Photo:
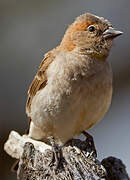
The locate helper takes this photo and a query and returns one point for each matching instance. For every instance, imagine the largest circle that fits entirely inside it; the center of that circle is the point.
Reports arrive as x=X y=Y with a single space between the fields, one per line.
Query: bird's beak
x=111 y=33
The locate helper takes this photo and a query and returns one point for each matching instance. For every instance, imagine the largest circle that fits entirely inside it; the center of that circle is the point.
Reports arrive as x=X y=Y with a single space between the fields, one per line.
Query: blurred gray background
x=28 y=29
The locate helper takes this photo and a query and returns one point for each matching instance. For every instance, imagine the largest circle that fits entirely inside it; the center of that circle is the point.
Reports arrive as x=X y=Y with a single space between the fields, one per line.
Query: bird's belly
x=87 y=108
x=68 y=115
x=93 y=106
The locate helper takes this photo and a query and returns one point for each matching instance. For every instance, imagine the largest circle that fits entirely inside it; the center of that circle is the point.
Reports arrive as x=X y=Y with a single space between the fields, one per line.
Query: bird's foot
x=90 y=142
x=57 y=155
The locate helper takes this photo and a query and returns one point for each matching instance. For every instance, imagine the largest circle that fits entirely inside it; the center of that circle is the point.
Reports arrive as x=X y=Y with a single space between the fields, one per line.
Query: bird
x=72 y=89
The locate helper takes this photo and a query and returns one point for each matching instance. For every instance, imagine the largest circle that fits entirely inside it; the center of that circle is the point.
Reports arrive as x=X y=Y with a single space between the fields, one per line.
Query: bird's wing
x=40 y=79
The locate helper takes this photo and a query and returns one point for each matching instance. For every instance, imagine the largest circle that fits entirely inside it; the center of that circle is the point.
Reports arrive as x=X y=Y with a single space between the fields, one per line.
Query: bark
x=36 y=161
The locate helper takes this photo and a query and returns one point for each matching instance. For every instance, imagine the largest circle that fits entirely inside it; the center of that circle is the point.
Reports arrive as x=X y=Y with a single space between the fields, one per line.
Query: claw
x=57 y=155
x=90 y=141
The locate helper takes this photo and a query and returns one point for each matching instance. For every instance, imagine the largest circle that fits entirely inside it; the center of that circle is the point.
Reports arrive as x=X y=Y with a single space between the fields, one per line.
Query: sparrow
x=72 y=89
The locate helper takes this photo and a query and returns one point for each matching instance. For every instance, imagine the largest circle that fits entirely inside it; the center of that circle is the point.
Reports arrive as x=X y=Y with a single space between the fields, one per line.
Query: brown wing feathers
x=39 y=81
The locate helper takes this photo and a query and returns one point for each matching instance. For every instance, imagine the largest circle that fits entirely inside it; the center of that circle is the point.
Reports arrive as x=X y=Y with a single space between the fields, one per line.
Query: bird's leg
x=57 y=153
x=90 y=142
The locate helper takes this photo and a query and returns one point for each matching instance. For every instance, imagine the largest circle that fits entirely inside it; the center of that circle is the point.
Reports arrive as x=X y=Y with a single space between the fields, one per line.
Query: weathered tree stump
x=77 y=161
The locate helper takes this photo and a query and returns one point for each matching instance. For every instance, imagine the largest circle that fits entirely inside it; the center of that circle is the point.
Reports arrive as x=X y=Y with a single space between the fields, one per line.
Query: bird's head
x=91 y=35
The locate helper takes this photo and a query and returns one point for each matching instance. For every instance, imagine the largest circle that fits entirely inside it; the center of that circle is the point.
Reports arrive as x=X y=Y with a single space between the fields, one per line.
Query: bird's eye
x=91 y=28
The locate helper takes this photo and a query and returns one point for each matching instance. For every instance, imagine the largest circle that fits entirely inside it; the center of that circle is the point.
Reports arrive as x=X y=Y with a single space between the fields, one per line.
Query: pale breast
x=89 y=103
x=95 y=99
x=71 y=103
